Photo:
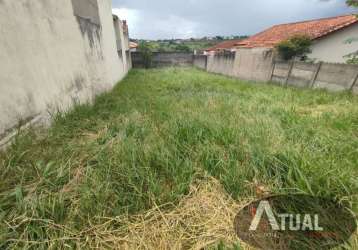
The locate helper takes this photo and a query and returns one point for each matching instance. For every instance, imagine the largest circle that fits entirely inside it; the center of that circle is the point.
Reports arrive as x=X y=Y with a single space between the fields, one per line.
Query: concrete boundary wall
x=246 y=64
x=333 y=77
x=164 y=59
x=260 y=65
x=200 y=61
x=221 y=63
x=253 y=64
x=54 y=54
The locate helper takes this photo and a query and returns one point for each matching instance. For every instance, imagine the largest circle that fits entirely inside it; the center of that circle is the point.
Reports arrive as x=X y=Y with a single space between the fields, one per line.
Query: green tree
x=297 y=46
x=352 y=58
x=353 y=3
x=147 y=53
x=183 y=48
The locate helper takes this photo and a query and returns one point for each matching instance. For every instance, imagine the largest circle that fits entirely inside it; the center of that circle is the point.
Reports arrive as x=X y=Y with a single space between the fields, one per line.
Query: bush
x=147 y=54
x=353 y=60
x=353 y=3
x=183 y=48
x=297 y=46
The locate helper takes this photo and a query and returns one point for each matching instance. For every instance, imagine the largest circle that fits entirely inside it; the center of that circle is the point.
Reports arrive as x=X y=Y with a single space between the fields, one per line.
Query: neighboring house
x=224 y=46
x=333 y=38
x=133 y=46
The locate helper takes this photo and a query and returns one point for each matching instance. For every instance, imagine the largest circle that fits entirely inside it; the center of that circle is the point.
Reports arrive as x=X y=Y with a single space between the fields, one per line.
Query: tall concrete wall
x=221 y=63
x=253 y=64
x=248 y=64
x=163 y=59
x=54 y=53
x=200 y=61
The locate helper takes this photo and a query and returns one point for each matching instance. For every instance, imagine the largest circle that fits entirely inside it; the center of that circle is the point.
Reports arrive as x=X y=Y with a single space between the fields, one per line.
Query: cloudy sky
x=158 y=19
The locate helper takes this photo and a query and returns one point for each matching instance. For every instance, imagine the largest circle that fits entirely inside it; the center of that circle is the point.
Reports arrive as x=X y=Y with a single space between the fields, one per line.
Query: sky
x=166 y=19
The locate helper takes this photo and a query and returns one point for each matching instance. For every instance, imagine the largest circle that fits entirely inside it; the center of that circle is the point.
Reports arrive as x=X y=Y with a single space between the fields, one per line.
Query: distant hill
x=186 y=45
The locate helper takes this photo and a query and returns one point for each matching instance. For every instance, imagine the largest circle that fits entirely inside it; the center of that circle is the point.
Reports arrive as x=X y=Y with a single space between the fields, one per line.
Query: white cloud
x=154 y=19
x=132 y=16
x=146 y=26
x=173 y=26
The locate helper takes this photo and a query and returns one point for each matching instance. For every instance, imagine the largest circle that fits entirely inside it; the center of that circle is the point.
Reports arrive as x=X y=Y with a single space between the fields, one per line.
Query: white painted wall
x=334 y=47
x=47 y=63
x=117 y=68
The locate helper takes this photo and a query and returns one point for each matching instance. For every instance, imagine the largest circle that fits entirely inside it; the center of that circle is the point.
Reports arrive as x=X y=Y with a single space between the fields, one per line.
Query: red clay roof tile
x=314 y=29
x=133 y=45
x=224 y=45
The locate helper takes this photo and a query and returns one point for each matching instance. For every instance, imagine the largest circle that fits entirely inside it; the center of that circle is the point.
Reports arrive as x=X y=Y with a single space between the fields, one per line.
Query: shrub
x=353 y=60
x=353 y=3
x=183 y=48
x=297 y=46
x=147 y=54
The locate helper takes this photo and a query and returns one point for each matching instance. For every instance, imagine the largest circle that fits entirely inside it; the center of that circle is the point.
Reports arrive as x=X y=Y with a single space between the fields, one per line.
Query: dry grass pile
x=203 y=219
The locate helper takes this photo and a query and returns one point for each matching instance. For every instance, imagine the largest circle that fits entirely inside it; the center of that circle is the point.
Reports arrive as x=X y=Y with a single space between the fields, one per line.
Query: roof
x=314 y=29
x=224 y=45
x=133 y=45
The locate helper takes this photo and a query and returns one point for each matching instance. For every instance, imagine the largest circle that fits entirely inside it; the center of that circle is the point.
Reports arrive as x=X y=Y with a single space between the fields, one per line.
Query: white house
x=334 y=39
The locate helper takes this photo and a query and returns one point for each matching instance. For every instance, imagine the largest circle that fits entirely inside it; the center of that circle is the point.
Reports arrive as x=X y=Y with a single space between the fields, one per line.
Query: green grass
x=158 y=130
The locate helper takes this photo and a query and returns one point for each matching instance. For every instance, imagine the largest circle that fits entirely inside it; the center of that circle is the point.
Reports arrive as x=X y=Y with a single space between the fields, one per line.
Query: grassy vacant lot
x=143 y=144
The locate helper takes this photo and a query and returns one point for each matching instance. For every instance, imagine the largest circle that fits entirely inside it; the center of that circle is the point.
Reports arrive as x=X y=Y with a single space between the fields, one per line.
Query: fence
x=200 y=61
x=254 y=64
x=221 y=63
x=334 y=77
x=247 y=64
x=258 y=64
x=164 y=59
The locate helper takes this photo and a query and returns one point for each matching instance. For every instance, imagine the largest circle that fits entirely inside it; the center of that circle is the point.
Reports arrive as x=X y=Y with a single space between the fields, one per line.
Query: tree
x=353 y=3
x=353 y=58
x=296 y=46
x=147 y=54
x=183 y=48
